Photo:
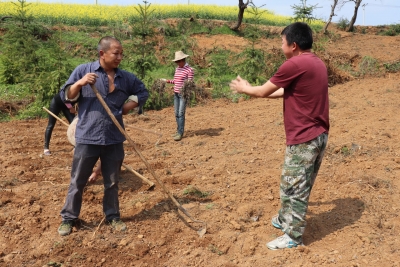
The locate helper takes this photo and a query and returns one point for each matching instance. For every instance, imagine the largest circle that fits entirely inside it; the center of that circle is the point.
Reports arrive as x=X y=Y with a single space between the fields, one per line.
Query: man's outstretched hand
x=237 y=85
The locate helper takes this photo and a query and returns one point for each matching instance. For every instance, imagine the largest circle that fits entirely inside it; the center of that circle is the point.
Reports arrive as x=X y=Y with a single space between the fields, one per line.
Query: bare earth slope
x=233 y=154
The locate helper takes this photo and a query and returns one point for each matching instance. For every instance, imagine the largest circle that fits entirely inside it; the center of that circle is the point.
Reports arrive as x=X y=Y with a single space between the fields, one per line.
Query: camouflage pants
x=300 y=169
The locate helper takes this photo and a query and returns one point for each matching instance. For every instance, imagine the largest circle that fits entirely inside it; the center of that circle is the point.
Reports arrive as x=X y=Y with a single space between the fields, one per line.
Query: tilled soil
x=225 y=172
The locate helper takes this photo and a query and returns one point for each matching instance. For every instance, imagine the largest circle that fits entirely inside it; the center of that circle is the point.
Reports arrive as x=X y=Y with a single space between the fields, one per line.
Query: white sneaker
x=282 y=242
x=276 y=222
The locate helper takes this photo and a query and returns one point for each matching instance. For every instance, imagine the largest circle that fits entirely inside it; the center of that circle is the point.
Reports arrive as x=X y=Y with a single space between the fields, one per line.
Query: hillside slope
x=232 y=153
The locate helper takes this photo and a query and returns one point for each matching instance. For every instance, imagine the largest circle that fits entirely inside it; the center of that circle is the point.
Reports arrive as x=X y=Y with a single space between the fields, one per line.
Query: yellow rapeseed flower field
x=95 y=15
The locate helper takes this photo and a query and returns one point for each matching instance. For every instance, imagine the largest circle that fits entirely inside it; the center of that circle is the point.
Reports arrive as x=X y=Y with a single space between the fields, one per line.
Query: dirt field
x=232 y=154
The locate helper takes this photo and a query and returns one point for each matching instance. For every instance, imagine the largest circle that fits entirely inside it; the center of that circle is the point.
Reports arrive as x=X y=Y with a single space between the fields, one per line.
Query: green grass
x=14 y=92
x=195 y=192
x=224 y=29
x=392 y=67
x=394 y=29
x=368 y=66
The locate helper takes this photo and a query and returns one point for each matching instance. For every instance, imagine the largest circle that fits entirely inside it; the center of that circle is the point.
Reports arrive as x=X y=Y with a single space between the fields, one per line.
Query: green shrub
x=218 y=63
x=251 y=61
x=274 y=59
x=195 y=192
x=368 y=66
x=343 y=23
x=251 y=65
x=186 y=26
x=393 y=30
x=224 y=29
x=392 y=67
x=15 y=92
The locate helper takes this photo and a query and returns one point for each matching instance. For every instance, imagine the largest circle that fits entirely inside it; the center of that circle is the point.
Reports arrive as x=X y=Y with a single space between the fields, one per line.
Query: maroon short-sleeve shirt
x=305 y=101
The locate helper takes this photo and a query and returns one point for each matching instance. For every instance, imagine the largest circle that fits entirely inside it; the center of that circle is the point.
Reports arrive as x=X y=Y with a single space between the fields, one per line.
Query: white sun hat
x=179 y=55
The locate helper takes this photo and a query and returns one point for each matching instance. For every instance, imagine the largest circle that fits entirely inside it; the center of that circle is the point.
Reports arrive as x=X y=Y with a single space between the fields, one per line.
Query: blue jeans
x=180 y=108
x=85 y=157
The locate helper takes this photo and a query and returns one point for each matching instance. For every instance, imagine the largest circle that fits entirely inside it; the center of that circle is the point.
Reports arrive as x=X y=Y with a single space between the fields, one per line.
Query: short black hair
x=105 y=43
x=299 y=33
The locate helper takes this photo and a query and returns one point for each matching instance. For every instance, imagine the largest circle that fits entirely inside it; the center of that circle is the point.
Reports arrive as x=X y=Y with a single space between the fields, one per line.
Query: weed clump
x=195 y=192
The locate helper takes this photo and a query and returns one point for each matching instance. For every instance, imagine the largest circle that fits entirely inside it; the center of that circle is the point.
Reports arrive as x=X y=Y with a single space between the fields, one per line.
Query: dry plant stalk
x=188 y=88
x=98 y=227
x=158 y=87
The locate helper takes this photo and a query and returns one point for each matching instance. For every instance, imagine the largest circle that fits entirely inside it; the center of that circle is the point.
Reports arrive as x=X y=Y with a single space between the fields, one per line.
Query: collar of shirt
x=97 y=66
x=186 y=64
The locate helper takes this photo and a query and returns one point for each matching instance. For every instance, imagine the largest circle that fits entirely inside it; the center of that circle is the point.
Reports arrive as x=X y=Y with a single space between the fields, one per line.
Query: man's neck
x=301 y=52
x=107 y=69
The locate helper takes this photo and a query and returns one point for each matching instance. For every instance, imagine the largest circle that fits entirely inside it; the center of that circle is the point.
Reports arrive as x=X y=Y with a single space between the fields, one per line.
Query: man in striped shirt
x=182 y=72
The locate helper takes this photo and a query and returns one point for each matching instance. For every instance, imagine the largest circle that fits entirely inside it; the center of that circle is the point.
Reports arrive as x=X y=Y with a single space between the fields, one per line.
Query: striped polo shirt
x=181 y=74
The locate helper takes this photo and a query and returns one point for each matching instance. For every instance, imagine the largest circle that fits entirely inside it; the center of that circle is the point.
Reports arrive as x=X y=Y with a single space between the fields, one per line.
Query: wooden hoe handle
x=179 y=206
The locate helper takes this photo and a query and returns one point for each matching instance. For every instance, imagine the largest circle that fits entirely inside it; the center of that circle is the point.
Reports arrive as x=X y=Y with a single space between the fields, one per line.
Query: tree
x=143 y=28
x=54 y=68
x=251 y=62
x=242 y=7
x=357 y=4
x=18 y=60
x=303 y=12
x=31 y=56
x=21 y=13
x=333 y=6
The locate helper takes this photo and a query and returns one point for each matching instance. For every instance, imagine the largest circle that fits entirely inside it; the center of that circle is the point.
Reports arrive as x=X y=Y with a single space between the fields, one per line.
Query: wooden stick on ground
x=202 y=231
x=150 y=183
x=55 y=116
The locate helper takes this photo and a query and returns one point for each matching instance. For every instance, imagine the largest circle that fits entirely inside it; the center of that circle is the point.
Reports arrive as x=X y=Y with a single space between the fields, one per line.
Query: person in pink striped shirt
x=182 y=72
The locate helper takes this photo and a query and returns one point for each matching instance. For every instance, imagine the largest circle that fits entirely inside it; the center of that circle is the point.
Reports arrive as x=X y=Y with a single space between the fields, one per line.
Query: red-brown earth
x=232 y=154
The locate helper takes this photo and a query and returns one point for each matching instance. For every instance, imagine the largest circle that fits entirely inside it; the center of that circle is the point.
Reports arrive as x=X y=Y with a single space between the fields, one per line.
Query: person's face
x=287 y=49
x=180 y=63
x=113 y=56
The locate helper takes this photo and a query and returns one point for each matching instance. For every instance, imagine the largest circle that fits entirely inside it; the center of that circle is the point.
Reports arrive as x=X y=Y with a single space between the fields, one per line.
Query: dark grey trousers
x=85 y=157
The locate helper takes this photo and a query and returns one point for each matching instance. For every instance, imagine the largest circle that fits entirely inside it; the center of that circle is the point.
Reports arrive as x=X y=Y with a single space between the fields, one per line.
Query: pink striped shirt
x=181 y=74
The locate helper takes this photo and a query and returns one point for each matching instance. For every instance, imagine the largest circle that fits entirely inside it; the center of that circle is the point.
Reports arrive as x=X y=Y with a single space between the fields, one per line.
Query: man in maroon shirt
x=302 y=82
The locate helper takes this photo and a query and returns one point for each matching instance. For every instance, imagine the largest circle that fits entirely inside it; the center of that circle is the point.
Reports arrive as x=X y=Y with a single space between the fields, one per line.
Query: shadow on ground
x=345 y=213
